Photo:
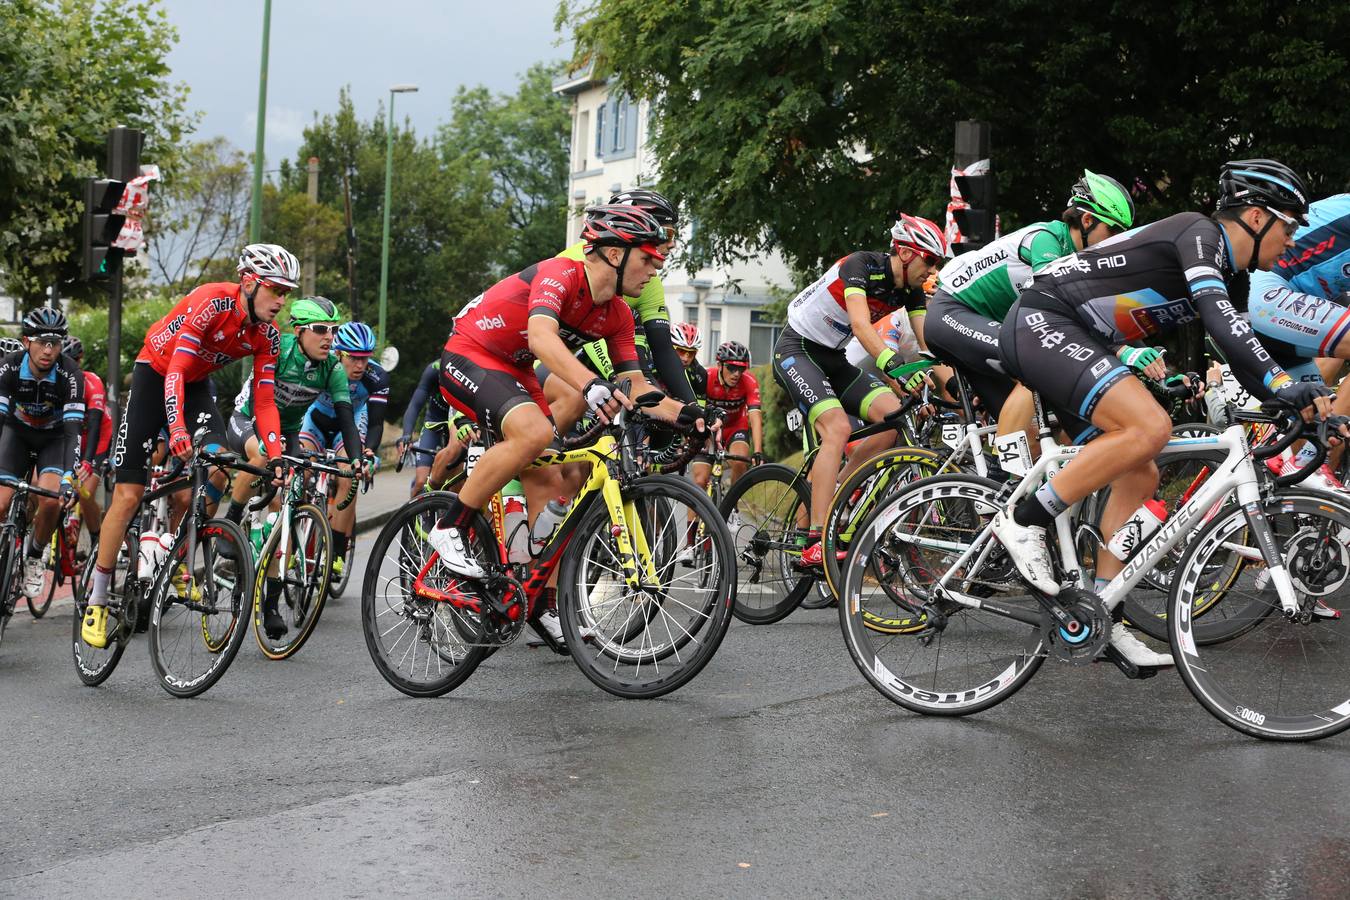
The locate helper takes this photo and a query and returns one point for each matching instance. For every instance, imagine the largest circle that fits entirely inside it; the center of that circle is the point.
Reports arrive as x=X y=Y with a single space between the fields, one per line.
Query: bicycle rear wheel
x=304 y=572
x=94 y=664
x=768 y=513
x=653 y=641
x=11 y=565
x=338 y=583
x=1266 y=674
x=423 y=635
x=966 y=659
x=52 y=559
x=191 y=599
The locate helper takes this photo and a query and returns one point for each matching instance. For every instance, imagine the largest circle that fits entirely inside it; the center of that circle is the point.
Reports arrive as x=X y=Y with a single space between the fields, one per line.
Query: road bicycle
x=189 y=585
x=297 y=550
x=635 y=622
x=64 y=559
x=13 y=532
x=1252 y=650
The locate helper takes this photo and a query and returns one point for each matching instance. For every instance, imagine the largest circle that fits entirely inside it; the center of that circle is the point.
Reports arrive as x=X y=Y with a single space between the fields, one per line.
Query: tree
x=806 y=124
x=522 y=142
x=198 y=214
x=69 y=71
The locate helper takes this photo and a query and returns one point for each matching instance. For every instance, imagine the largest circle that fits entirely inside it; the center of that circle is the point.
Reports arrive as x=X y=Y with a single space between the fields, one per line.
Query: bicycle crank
x=1079 y=631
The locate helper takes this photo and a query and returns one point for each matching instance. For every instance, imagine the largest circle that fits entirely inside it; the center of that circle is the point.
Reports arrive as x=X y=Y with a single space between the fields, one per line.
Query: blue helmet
x=355 y=338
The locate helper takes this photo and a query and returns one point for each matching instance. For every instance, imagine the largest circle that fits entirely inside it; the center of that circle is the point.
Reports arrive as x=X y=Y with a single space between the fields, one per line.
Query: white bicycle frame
x=1236 y=472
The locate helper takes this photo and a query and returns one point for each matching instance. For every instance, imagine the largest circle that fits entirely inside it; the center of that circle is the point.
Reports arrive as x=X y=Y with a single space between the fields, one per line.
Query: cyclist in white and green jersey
x=656 y=353
x=976 y=289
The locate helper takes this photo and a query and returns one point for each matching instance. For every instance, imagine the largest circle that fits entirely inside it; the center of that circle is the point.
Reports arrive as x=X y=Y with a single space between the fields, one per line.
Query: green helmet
x=1105 y=198
x=308 y=310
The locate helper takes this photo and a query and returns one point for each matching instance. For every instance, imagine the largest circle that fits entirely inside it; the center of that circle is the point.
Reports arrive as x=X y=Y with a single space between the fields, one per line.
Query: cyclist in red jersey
x=486 y=368
x=95 y=442
x=735 y=391
x=213 y=325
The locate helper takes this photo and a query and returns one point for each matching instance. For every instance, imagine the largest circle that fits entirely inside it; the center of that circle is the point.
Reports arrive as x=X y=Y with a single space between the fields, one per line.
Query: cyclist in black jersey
x=429 y=448
x=1142 y=283
x=42 y=415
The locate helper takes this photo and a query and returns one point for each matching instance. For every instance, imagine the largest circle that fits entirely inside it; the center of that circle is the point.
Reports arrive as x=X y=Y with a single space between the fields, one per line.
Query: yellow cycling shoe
x=94 y=628
x=337 y=565
x=180 y=586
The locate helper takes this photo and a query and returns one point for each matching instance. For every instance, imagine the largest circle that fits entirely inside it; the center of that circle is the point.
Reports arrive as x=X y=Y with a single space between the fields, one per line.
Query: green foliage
x=90 y=325
x=69 y=71
x=521 y=141
x=779 y=443
x=805 y=124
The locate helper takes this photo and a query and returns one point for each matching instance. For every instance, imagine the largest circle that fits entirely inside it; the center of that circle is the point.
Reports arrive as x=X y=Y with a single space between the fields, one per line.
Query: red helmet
x=623 y=226
x=921 y=235
x=686 y=335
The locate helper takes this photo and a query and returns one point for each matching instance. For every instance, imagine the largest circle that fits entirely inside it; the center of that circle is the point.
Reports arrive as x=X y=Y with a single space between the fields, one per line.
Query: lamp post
x=388 y=186
x=255 y=210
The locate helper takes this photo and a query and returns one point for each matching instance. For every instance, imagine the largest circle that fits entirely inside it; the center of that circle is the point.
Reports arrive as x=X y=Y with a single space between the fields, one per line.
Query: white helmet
x=920 y=234
x=271 y=262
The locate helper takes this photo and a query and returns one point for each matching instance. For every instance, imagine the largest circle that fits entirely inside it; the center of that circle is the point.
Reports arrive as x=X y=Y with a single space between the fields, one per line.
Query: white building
x=609 y=154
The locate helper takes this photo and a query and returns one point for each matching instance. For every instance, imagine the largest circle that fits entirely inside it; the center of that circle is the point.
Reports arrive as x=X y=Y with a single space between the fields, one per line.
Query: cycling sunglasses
x=280 y=290
x=322 y=329
x=737 y=365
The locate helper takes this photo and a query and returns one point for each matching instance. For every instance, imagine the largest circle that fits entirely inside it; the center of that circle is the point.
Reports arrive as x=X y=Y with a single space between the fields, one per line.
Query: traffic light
x=976 y=222
x=98 y=258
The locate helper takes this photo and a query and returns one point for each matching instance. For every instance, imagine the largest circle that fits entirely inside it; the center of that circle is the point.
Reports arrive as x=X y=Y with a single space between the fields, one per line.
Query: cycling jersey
x=206 y=330
x=648 y=306
x=492 y=329
x=98 y=424
x=820 y=313
x=426 y=395
x=736 y=402
x=820 y=378
x=369 y=395
x=895 y=332
x=300 y=381
x=1303 y=301
x=697 y=376
x=1151 y=280
x=988 y=280
x=37 y=408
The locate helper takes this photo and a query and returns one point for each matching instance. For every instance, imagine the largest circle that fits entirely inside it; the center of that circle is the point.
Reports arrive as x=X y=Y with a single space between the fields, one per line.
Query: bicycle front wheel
x=1269 y=675
x=303 y=570
x=966 y=658
x=650 y=641
x=52 y=559
x=200 y=607
x=95 y=664
x=768 y=512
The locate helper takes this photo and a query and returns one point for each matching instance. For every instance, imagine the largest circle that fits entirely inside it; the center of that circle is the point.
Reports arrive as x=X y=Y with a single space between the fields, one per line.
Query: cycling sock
x=340 y=545
x=235 y=513
x=273 y=591
x=98 y=590
x=456 y=515
x=1041 y=508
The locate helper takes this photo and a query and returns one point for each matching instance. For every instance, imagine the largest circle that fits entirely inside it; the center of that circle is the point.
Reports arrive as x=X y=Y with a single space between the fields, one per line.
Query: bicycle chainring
x=1095 y=628
x=1318 y=567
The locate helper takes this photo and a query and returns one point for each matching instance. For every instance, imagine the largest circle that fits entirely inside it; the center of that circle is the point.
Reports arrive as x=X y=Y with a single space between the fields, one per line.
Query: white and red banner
x=135 y=201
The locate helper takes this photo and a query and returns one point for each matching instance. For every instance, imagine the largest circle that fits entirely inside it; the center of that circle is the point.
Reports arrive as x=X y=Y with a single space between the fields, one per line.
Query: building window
x=764 y=334
x=619 y=127
x=583 y=137
x=600 y=132
x=714 y=332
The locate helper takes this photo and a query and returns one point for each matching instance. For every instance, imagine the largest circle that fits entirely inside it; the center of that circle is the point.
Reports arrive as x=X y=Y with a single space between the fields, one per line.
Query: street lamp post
x=388 y=186
x=255 y=210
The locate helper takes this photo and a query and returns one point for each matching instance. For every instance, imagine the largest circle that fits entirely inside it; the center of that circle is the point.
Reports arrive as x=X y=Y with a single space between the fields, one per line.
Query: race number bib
x=952 y=434
x=794 y=419
x=1014 y=453
x=1235 y=393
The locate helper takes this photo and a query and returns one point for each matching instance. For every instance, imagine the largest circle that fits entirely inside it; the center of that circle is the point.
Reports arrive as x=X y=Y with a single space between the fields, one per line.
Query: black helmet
x=45 y=321
x=1263 y=182
x=662 y=210
x=73 y=347
x=733 y=351
x=622 y=226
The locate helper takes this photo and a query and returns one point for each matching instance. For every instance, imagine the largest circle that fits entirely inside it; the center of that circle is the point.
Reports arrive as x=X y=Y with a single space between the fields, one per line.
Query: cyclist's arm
x=860 y=318
x=72 y=417
x=547 y=345
x=376 y=404
x=667 y=364
x=95 y=408
x=425 y=385
x=265 y=415
x=1040 y=248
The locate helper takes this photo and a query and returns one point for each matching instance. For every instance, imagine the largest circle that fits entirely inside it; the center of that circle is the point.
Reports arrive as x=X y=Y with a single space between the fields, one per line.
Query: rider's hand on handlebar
x=605 y=399
x=278 y=468
x=180 y=443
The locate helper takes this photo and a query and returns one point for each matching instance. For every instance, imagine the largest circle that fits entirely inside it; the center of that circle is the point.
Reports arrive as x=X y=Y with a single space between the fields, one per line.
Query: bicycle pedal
x=1130 y=670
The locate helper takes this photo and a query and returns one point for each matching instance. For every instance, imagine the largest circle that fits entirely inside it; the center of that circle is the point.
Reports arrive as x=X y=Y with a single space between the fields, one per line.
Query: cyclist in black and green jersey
x=305 y=369
x=688 y=341
x=976 y=289
x=656 y=353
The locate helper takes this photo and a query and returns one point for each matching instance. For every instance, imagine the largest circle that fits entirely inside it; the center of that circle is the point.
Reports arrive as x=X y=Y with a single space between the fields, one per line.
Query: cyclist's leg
x=866 y=396
x=738 y=445
x=50 y=459
x=342 y=520
x=89 y=508
x=240 y=437
x=805 y=382
x=141 y=423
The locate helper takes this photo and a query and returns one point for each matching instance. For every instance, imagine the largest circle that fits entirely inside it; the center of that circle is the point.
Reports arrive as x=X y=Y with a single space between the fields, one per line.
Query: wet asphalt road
x=777 y=772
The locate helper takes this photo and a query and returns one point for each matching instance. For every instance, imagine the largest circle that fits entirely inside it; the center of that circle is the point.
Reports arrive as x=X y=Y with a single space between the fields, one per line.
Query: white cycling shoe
x=455 y=556
x=1135 y=650
x=33 y=570
x=1026 y=548
x=550 y=622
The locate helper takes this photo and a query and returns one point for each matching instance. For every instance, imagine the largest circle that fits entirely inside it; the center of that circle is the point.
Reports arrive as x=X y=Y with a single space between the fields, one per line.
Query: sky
x=318 y=46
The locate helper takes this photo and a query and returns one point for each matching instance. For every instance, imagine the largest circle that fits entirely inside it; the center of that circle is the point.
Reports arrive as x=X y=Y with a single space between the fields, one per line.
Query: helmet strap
x=1256 y=236
x=618 y=269
x=904 y=263
x=1078 y=226
x=248 y=298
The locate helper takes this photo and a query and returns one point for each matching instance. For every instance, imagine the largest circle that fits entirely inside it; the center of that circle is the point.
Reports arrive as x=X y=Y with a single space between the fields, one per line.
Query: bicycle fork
x=626 y=529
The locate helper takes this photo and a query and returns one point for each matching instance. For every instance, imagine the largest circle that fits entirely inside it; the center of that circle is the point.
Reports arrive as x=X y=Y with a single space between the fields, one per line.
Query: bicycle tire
x=233 y=573
x=94 y=665
x=8 y=587
x=336 y=588
x=844 y=516
x=766 y=537
x=683 y=650
x=1246 y=681
x=388 y=603
x=916 y=687
x=303 y=593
